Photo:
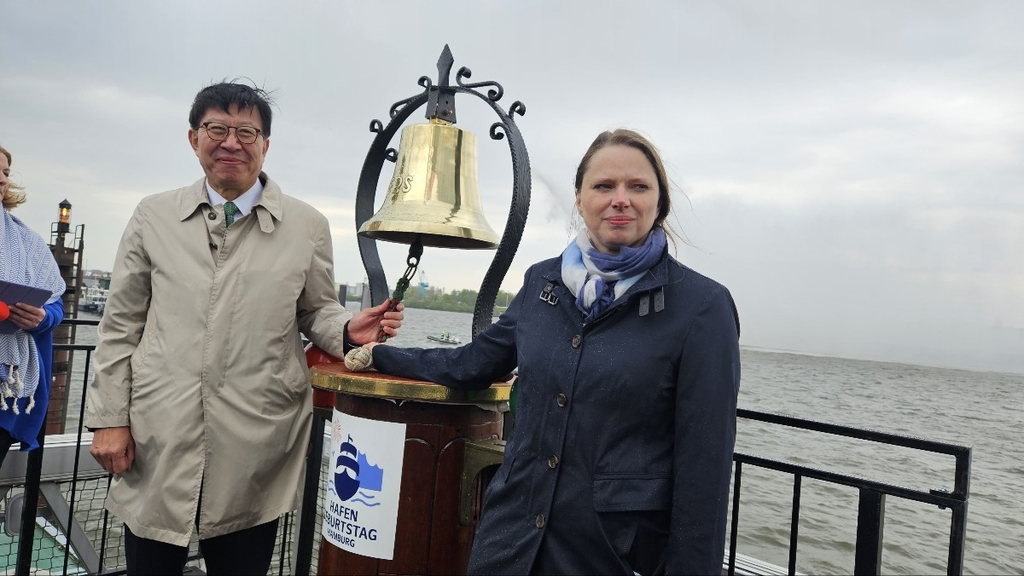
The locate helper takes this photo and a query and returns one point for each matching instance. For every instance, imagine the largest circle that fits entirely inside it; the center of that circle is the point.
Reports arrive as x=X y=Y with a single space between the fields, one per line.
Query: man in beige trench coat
x=201 y=403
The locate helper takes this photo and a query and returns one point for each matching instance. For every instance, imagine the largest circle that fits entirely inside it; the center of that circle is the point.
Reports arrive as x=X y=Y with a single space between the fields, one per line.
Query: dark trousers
x=5 y=443
x=246 y=552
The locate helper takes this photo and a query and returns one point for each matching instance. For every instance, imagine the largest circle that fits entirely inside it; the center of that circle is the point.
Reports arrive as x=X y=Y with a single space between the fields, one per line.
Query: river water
x=984 y=410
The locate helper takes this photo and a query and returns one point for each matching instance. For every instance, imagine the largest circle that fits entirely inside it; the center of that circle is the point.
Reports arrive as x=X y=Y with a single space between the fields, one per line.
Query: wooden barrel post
x=435 y=530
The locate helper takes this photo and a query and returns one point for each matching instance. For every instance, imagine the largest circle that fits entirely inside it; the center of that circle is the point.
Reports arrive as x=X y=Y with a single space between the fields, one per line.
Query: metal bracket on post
x=441 y=98
x=476 y=457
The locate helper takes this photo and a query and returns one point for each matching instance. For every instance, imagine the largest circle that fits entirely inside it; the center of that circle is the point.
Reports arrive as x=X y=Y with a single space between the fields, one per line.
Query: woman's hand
x=362 y=328
x=26 y=317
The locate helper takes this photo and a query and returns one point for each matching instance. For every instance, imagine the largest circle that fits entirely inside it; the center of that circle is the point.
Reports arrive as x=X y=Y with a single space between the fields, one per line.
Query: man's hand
x=362 y=328
x=113 y=448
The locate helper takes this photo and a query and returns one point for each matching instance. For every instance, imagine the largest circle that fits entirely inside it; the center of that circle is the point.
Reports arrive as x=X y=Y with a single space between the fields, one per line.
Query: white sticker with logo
x=363 y=485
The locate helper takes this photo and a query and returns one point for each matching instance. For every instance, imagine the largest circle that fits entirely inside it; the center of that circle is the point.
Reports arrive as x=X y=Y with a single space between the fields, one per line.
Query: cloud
x=851 y=172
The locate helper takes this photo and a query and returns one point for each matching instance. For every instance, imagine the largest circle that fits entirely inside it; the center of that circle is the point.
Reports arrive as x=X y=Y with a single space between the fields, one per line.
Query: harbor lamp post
x=450 y=436
x=64 y=217
x=69 y=262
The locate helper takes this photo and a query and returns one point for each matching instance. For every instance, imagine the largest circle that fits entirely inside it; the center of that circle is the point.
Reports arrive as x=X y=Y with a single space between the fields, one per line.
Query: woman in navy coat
x=621 y=455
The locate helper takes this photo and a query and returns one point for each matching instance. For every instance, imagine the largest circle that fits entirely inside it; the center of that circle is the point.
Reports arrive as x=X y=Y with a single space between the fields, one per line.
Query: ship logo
x=355 y=478
x=346 y=471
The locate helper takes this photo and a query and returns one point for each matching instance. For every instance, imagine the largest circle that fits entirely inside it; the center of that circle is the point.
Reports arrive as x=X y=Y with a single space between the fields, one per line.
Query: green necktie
x=230 y=211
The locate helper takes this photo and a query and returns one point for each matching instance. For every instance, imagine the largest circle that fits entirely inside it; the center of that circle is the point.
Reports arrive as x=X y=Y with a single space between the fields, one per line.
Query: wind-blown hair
x=626 y=137
x=222 y=95
x=13 y=198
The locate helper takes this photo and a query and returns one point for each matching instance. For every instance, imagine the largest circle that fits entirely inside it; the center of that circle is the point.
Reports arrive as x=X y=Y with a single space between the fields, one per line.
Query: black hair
x=223 y=94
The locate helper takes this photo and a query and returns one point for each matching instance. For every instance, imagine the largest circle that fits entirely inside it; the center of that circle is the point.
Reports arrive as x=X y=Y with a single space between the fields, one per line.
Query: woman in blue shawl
x=26 y=335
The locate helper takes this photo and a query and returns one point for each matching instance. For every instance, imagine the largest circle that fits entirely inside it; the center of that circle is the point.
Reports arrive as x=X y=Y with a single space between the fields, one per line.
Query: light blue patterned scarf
x=598 y=279
x=24 y=259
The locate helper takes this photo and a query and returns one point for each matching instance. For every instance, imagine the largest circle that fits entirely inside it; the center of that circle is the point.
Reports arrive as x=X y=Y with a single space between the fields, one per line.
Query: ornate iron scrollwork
x=397 y=107
x=494 y=94
x=380 y=151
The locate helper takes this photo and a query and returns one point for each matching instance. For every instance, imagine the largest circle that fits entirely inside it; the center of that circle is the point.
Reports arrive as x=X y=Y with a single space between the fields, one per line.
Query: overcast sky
x=852 y=171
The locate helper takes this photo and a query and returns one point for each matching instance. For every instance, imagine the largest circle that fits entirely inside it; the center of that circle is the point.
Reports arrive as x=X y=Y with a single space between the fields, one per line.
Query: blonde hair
x=12 y=198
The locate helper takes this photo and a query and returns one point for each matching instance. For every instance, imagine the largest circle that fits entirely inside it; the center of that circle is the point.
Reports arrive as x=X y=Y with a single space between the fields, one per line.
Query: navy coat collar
x=666 y=271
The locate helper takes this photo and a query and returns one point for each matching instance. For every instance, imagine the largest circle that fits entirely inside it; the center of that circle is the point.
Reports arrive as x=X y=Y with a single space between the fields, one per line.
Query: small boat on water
x=444 y=338
x=94 y=301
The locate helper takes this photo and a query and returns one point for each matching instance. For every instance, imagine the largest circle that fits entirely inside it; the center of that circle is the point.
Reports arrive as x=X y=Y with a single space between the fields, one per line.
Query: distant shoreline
x=880 y=361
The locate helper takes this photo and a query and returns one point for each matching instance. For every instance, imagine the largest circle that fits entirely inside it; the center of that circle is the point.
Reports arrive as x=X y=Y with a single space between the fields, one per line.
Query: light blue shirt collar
x=245 y=202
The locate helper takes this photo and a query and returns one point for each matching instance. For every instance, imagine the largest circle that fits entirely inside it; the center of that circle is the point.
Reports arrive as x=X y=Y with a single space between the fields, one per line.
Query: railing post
x=27 y=537
x=794 y=524
x=734 y=529
x=958 y=522
x=870 y=524
x=957 y=536
x=310 y=491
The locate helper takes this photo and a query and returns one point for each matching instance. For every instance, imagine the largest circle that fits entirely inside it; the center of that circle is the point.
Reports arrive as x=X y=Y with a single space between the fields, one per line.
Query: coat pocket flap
x=632 y=493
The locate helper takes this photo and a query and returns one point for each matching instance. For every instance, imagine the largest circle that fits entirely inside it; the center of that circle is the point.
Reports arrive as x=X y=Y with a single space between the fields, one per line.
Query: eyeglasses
x=219 y=132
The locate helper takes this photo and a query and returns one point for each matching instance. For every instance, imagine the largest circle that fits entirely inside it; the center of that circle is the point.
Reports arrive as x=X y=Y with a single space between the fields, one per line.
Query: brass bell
x=434 y=193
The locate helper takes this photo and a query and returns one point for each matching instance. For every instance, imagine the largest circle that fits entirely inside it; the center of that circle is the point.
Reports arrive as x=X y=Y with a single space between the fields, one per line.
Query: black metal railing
x=88 y=539
x=95 y=545
x=872 y=493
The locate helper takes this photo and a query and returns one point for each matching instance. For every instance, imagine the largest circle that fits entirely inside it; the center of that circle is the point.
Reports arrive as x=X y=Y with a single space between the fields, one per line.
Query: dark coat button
x=540 y=521
x=576 y=341
x=561 y=400
x=553 y=462
x=212 y=216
